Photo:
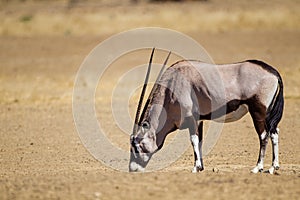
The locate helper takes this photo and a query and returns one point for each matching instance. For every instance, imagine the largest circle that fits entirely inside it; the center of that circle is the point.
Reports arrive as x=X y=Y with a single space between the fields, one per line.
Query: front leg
x=196 y=140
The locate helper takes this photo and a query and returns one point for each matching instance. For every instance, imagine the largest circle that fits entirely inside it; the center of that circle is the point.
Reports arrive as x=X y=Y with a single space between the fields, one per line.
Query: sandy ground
x=42 y=157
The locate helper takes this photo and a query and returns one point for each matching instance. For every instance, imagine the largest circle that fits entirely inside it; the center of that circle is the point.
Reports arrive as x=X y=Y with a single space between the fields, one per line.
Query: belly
x=234 y=115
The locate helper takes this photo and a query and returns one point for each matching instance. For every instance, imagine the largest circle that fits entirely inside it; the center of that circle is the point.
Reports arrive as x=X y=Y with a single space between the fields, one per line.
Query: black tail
x=275 y=110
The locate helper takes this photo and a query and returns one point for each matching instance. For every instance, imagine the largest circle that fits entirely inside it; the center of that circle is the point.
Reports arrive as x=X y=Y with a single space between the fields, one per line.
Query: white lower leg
x=263 y=144
x=275 y=162
x=198 y=155
x=258 y=168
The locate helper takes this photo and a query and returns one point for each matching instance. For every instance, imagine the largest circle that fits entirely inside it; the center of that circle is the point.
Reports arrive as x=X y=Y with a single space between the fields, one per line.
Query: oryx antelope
x=189 y=92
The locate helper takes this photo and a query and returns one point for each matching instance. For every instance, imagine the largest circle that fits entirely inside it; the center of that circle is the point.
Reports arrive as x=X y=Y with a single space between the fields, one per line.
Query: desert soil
x=41 y=155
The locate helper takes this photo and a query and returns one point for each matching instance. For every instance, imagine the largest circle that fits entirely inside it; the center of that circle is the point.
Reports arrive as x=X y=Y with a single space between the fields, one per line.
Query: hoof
x=216 y=170
x=197 y=169
x=272 y=170
x=255 y=170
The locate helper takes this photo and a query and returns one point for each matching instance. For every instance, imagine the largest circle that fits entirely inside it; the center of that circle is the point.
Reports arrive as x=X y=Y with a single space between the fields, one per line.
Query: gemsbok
x=190 y=92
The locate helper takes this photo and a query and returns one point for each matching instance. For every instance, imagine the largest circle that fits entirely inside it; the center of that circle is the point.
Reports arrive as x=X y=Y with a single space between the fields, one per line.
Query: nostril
x=138 y=139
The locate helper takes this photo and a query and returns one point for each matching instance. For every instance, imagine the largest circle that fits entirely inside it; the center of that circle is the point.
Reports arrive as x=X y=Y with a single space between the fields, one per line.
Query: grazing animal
x=190 y=92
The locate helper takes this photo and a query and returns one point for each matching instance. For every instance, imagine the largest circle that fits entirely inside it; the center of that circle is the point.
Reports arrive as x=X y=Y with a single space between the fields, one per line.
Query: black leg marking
x=258 y=114
x=195 y=140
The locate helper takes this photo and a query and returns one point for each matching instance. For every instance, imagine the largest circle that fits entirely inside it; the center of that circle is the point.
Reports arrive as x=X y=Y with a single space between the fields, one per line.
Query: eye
x=146 y=125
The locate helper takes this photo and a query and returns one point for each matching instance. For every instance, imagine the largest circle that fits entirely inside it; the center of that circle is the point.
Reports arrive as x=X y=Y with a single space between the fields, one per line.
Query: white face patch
x=149 y=144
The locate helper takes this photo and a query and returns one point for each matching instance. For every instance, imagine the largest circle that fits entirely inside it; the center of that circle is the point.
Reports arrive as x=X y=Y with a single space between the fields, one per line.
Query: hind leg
x=275 y=140
x=258 y=114
x=263 y=141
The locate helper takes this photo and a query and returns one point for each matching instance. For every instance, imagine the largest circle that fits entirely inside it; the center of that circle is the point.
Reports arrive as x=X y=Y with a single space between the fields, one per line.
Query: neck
x=157 y=115
x=154 y=107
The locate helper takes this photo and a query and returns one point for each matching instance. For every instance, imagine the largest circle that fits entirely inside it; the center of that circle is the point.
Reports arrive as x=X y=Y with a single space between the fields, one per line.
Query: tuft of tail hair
x=275 y=110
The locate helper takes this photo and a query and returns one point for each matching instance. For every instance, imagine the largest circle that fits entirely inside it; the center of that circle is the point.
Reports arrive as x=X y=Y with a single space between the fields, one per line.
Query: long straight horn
x=159 y=75
x=162 y=69
x=142 y=94
x=157 y=79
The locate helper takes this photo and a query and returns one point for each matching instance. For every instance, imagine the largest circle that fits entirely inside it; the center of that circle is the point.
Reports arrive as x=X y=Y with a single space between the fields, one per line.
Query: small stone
x=276 y=173
x=216 y=170
x=97 y=194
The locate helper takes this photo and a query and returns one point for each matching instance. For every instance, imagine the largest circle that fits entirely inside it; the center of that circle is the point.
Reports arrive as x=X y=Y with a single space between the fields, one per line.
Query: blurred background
x=98 y=17
x=42 y=36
